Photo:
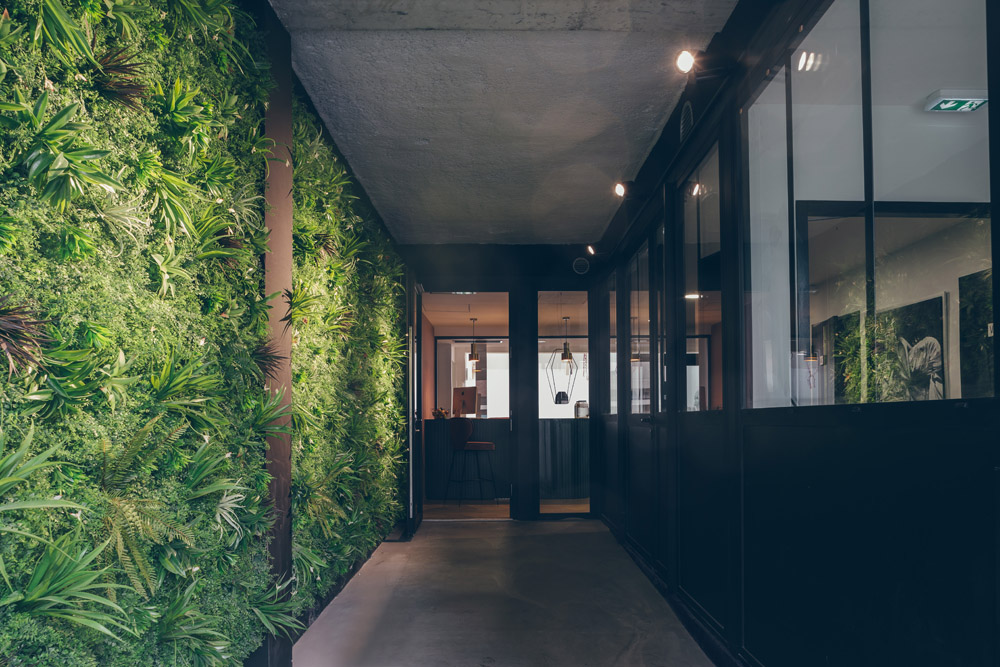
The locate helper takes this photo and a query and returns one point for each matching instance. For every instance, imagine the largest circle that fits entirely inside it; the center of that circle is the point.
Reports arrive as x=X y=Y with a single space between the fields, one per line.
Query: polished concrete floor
x=500 y=594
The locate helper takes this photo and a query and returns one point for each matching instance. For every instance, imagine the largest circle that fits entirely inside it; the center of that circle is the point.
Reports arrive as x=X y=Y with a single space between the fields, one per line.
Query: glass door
x=563 y=403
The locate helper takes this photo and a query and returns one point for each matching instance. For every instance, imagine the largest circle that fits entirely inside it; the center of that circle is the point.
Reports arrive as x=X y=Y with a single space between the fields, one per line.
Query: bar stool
x=461 y=431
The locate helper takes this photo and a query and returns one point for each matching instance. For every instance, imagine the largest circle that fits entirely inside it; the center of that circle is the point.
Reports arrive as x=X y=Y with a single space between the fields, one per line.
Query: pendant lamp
x=562 y=387
x=474 y=353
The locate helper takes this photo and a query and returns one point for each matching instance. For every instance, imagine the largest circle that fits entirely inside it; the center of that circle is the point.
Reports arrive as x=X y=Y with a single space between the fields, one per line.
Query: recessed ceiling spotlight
x=620 y=189
x=693 y=296
x=697 y=190
x=685 y=61
x=590 y=250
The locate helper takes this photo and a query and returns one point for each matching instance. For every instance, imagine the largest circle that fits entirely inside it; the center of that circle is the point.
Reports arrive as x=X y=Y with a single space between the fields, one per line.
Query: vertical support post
x=277 y=651
x=524 y=374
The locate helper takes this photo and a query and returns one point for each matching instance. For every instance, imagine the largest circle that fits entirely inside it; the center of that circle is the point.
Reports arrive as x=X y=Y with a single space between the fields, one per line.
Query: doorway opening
x=465 y=405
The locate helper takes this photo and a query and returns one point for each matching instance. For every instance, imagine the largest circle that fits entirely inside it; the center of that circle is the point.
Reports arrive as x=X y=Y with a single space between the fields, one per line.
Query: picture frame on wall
x=975 y=333
x=909 y=357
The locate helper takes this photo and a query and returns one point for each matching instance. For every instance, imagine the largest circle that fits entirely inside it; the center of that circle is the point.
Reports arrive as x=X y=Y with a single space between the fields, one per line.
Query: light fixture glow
x=590 y=250
x=802 y=61
x=685 y=61
x=620 y=189
x=697 y=189
x=810 y=62
x=692 y=296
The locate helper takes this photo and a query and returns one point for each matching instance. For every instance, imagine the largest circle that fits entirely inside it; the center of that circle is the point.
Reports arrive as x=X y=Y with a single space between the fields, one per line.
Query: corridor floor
x=500 y=594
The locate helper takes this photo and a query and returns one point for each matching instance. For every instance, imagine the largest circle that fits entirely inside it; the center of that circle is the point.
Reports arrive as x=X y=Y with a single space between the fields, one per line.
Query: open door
x=415 y=428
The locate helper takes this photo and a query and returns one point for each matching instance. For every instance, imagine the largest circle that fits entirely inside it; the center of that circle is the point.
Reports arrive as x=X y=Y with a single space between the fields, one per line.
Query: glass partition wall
x=703 y=286
x=563 y=403
x=870 y=270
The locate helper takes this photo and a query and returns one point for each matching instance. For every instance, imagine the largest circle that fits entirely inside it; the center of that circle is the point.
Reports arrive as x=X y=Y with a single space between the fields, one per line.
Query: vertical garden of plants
x=134 y=348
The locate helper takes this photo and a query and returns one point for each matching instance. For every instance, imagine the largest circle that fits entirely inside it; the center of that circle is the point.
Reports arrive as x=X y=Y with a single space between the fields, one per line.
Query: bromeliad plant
x=57 y=29
x=192 y=633
x=191 y=389
x=170 y=193
x=8 y=37
x=16 y=471
x=59 y=162
x=68 y=588
x=21 y=336
x=119 y=77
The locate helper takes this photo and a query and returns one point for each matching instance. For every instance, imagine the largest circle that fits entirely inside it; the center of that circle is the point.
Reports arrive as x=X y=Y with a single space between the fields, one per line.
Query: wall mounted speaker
x=581 y=265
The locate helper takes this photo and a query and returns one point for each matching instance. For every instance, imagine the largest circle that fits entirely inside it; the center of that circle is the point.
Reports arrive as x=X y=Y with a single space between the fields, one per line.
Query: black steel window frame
x=794 y=27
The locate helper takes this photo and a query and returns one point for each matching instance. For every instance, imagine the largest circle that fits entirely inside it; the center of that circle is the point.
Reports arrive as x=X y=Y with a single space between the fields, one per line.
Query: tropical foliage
x=134 y=345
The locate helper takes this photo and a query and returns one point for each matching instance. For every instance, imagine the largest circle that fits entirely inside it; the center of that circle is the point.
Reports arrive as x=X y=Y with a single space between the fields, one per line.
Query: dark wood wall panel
x=869 y=546
x=704 y=519
x=642 y=494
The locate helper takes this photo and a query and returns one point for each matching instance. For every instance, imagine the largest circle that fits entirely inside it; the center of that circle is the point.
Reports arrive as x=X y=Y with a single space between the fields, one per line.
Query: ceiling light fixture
x=685 y=61
x=704 y=65
x=625 y=189
x=590 y=250
x=562 y=393
x=474 y=350
x=692 y=297
x=567 y=356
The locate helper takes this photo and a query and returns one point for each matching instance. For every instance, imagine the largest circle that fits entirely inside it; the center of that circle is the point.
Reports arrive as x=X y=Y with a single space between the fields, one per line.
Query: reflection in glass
x=639 y=332
x=933 y=265
x=768 y=295
x=563 y=402
x=828 y=364
x=613 y=351
x=703 y=286
x=933 y=299
x=826 y=108
x=662 y=347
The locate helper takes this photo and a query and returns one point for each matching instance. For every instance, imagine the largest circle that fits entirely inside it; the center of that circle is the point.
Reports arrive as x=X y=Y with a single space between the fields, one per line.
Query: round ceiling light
x=685 y=61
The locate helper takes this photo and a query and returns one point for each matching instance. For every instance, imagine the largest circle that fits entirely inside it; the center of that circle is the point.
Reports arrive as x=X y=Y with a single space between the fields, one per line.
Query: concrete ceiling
x=495 y=121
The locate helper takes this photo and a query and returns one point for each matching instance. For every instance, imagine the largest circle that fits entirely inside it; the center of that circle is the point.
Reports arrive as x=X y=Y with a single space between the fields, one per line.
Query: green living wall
x=134 y=348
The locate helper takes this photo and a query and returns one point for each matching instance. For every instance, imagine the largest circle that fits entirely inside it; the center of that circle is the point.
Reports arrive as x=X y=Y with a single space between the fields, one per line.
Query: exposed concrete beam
x=603 y=15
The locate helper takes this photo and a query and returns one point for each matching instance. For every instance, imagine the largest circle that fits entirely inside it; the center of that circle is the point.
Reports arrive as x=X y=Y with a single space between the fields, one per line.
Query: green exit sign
x=956 y=100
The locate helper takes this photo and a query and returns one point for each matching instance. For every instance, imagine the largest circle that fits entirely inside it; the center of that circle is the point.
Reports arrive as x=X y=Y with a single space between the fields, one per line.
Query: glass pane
x=919 y=155
x=933 y=265
x=563 y=402
x=925 y=266
x=826 y=108
x=703 y=286
x=613 y=352
x=490 y=376
x=830 y=297
x=768 y=297
x=639 y=332
x=663 y=345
